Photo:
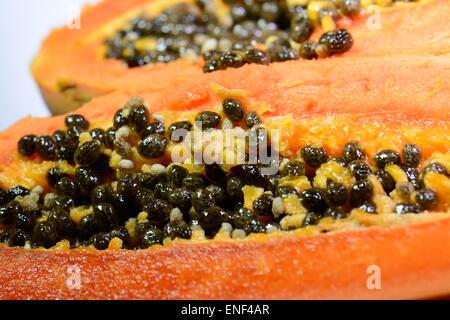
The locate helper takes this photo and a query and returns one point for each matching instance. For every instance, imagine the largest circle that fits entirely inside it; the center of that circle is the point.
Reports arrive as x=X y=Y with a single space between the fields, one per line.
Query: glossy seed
x=66 y=152
x=211 y=66
x=59 y=136
x=153 y=128
x=308 y=50
x=336 y=194
x=311 y=218
x=142 y=197
x=301 y=29
x=18 y=238
x=435 y=167
x=44 y=235
x=413 y=175
x=158 y=211
x=285 y=191
x=46 y=148
x=251 y=119
x=99 y=135
x=293 y=168
x=233 y=109
x=313 y=156
x=66 y=187
x=163 y=190
x=407 y=208
x=251 y=175
x=87 y=227
x=76 y=120
x=24 y=220
x=177 y=229
x=215 y=174
x=64 y=225
x=257 y=56
x=9 y=211
x=151 y=237
x=234 y=188
x=88 y=153
x=110 y=137
x=176 y=175
x=128 y=184
x=359 y=169
x=427 y=199
x=350 y=8
x=386 y=157
x=139 y=118
x=18 y=191
x=177 y=131
x=412 y=154
x=231 y=59
x=194 y=181
x=64 y=202
x=212 y=217
x=255 y=226
x=386 y=180
x=152 y=146
x=360 y=192
x=211 y=54
x=314 y=200
x=101 y=240
x=27 y=145
x=105 y=216
x=87 y=178
x=202 y=200
x=263 y=205
x=283 y=53
x=336 y=213
x=351 y=152
x=181 y=198
x=368 y=207
x=336 y=41
x=207 y=120
x=119 y=119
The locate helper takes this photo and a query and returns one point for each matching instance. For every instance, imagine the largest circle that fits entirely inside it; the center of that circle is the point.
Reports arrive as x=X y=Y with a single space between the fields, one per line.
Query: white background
x=23 y=25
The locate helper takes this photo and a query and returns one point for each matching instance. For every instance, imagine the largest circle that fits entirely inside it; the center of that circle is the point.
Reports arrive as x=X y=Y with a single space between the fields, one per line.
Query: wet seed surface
x=99 y=196
x=246 y=32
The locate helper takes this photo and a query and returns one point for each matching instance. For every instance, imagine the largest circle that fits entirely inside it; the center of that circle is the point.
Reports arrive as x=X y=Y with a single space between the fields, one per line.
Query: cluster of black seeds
x=254 y=31
x=177 y=201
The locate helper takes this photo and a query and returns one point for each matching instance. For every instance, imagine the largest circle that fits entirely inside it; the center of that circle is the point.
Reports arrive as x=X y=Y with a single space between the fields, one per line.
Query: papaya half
x=378 y=250
x=72 y=65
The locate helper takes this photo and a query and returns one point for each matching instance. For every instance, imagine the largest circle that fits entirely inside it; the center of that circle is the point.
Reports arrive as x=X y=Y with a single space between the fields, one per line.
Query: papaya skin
x=74 y=58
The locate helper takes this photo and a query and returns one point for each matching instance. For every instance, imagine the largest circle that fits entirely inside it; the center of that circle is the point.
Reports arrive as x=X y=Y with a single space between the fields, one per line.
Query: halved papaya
x=71 y=67
x=379 y=102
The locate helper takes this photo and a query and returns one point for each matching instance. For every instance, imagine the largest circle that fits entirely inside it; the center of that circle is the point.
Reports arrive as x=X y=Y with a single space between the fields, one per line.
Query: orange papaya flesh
x=70 y=67
x=411 y=262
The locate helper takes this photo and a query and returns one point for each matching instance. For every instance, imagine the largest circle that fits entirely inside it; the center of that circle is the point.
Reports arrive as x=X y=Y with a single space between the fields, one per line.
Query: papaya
x=72 y=65
x=359 y=208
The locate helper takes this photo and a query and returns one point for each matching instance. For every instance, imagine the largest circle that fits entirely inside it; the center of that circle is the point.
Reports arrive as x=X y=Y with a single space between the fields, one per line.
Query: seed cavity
x=97 y=197
x=250 y=32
